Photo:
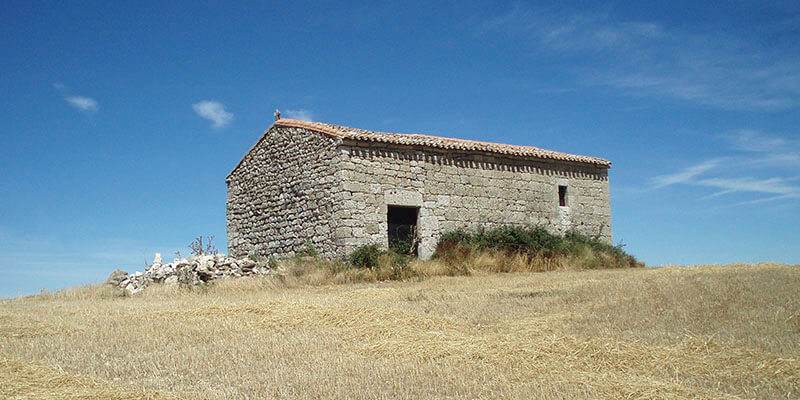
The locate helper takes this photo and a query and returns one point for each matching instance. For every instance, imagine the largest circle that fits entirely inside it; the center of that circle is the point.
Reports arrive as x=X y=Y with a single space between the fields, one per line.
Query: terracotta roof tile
x=439 y=142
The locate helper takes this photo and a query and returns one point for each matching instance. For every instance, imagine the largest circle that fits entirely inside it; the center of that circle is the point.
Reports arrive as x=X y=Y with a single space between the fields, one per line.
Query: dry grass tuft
x=309 y=271
x=695 y=332
x=34 y=381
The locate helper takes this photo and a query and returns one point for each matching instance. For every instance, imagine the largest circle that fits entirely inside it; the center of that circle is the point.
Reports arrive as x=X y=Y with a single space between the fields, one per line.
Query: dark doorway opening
x=403 y=237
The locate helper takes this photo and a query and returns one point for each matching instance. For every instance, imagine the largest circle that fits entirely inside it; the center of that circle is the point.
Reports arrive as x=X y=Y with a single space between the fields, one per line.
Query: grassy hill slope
x=705 y=331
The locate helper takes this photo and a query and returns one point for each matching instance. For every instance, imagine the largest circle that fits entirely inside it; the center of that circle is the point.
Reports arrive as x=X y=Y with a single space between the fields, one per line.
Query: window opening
x=562 y=196
x=403 y=234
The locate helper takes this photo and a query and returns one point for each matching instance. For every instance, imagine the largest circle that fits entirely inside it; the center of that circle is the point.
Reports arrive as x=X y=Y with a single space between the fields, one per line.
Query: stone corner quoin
x=332 y=187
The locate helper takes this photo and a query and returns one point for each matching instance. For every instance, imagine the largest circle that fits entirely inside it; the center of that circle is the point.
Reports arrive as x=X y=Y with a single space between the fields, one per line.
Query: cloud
x=643 y=58
x=773 y=185
x=687 y=175
x=304 y=115
x=214 y=112
x=756 y=141
x=82 y=103
x=778 y=186
x=767 y=151
x=85 y=104
x=752 y=153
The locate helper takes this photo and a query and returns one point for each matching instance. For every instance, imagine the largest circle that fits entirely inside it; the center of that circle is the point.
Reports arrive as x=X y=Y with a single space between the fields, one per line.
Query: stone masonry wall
x=461 y=190
x=297 y=186
x=281 y=195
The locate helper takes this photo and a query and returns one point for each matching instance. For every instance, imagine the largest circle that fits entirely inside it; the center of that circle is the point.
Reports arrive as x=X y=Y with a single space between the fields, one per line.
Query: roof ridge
x=418 y=139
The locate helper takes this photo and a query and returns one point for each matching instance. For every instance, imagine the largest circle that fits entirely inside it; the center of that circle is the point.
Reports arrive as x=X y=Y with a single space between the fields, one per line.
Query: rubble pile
x=191 y=271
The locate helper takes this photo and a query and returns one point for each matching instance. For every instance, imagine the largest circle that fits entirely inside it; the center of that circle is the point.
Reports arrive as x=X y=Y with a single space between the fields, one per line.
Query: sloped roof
x=414 y=139
x=439 y=142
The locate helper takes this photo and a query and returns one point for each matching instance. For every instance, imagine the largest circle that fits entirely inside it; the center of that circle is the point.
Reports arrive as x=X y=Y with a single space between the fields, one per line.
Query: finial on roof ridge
x=277 y=114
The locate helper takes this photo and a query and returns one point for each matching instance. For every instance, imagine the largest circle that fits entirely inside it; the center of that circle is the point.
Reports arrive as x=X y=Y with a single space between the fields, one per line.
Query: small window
x=562 y=196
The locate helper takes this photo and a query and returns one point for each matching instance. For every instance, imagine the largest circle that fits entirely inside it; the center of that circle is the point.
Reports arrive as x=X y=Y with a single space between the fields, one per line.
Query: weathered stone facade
x=331 y=187
x=281 y=195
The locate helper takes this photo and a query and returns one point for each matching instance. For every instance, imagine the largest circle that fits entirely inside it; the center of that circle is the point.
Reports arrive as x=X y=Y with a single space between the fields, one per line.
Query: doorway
x=403 y=233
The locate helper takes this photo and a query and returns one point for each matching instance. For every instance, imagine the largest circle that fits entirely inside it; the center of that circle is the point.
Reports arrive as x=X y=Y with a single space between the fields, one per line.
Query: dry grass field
x=692 y=332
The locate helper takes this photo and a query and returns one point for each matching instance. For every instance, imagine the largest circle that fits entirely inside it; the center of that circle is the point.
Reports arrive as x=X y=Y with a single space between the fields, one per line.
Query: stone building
x=337 y=188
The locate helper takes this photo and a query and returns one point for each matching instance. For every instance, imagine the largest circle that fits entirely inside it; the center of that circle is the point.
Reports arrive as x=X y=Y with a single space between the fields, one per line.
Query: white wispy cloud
x=772 y=151
x=778 y=186
x=86 y=104
x=82 y=103
x=764 y=150
x=644 y=58
x=755 y=165
x=213 y=111
x=686 y=175
x=304 y=115
x=756 y=141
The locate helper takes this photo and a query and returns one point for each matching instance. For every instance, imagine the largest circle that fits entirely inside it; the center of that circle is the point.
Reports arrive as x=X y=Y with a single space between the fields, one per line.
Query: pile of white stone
x=191 y=271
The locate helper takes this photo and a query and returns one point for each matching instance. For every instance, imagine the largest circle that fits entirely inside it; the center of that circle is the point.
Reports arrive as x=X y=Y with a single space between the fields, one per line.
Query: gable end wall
x=281 y=195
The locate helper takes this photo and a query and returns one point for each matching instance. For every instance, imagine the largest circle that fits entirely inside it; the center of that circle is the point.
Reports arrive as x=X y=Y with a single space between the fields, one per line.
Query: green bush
x=387 y=264
x=534 y=241
x=366 y=256
x=404 y=246
x=308 y=250
x=254 y=257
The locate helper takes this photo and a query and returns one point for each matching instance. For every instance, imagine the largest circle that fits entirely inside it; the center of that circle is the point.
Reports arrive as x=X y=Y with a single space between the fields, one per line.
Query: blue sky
x=119 y=122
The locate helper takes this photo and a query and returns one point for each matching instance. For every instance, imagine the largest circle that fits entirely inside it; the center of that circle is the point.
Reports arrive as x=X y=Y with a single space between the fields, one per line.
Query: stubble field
x=691 y=332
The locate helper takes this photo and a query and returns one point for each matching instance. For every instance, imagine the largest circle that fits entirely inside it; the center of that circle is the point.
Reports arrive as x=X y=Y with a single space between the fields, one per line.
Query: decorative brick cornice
x=344 y=132
x=440 y=142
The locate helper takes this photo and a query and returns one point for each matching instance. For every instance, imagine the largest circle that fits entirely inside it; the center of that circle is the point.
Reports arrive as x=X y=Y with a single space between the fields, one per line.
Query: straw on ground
x=698 y=332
